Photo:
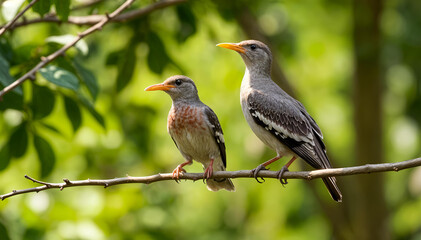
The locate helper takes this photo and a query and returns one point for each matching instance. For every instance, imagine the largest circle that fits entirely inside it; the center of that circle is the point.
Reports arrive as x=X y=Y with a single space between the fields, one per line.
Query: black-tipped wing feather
x=215 y=126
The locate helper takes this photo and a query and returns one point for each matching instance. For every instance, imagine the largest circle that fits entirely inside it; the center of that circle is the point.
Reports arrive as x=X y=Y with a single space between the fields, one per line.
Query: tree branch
x=93 y=19
x=308 y=175
x=9 y=24
x=99 y=22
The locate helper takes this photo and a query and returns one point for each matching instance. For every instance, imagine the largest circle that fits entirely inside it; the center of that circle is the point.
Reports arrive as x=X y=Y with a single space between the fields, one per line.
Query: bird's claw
x=176 y=173
x=281 y=173
x=256 y=171
x=208 y=173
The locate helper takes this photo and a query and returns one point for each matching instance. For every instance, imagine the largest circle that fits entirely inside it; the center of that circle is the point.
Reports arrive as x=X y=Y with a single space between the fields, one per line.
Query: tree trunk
x=370 y=210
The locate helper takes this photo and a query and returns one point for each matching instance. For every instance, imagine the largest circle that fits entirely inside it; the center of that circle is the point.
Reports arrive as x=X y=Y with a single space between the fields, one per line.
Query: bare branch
x=99 y=23
x=308 y=175
x=93 y=19
x=9 y=24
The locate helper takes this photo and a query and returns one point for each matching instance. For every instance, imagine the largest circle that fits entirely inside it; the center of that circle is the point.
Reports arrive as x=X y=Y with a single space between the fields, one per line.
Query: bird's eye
x=178 y=82
x=253 y=46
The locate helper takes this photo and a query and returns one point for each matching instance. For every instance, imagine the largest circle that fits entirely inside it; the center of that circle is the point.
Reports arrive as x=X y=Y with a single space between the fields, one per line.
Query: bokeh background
x=355 y=65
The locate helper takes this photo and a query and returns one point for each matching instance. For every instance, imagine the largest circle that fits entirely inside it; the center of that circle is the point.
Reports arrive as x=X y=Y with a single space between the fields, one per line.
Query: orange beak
x=161 y=86
x=232 y=46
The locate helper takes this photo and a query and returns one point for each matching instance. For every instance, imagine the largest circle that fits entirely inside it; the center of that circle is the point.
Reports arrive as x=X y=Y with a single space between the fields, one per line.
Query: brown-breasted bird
x=195 y=130
x=278 y=120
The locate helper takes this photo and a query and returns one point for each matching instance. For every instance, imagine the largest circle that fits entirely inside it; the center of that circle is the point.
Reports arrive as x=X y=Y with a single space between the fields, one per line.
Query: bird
x=277 y=119
x=195 y=130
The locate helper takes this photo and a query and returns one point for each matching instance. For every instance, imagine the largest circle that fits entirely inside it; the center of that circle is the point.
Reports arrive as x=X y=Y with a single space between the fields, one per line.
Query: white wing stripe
x=280 y=130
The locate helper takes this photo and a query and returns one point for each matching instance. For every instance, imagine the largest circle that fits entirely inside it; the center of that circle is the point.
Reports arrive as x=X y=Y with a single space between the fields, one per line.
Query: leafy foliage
x=73 y=113
x=43 y=100
x=62 y=8
x=5 y=77
x=18 y=142
x=46 y=155
x=42 y=7
x=126 y=67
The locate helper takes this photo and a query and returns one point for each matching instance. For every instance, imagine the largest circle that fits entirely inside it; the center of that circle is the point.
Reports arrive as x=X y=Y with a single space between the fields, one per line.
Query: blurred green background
x=355 y=65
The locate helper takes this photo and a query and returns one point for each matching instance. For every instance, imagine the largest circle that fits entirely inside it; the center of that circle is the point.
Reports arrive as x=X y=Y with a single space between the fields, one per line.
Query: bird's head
x=256 y=55
x=178 y=87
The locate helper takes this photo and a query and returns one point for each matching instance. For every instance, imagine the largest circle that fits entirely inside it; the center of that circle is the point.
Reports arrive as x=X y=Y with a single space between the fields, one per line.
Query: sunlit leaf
x=90 y=107
x=62 y=8
x=43 y=100
x=18 y=142
x=60 y=77
x=10 y=8
x=157 y=56
x=46 y=155
x=81 y=45
x=41 y=7
x=73 y=113
x=5 y=78
x=126 y=67
x=88 y=78
x=4 y=157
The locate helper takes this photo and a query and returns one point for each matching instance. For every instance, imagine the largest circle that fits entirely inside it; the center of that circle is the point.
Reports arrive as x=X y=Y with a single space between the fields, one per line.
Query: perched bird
x=278 y=120
x=195 y=130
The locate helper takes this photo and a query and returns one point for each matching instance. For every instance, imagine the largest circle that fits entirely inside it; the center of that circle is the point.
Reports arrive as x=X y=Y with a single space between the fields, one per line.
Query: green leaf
x=88 y=105
x=126 y=67
x=81 y=45
x=5 y=78
x=157 y=56
x=10 y=8
x=4 y=157
x=62 y=9
x=12 y=100
x=46 y=155
x=42 y=101
x=6 y=50
x=73 y=113
x=41 y=7
x=112 y=58
x=188 y=25
x=18 y=142
x=88 y=78
x=50 y=127
x=60 y=77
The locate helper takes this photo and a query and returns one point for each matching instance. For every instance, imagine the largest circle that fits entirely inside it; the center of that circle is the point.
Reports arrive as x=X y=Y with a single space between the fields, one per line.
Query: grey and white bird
x=195 y=130
x=278 y=120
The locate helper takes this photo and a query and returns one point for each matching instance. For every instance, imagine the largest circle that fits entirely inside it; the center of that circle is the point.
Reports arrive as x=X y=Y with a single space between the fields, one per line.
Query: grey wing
x=285 y=120
x=218 y=135
x=311 y=120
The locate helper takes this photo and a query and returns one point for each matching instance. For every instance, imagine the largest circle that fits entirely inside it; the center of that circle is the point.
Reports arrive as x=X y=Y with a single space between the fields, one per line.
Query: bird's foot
x=176 y=173
x=208 y=173
x=281 y=173
x=256 y=171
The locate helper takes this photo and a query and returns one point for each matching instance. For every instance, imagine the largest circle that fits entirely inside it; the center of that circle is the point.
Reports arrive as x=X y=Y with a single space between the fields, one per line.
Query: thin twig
x=308 y=175
x=93 y=19
x=9 y=24
x=99 y=23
